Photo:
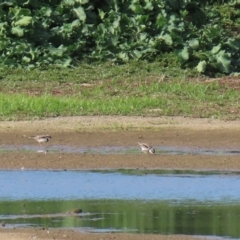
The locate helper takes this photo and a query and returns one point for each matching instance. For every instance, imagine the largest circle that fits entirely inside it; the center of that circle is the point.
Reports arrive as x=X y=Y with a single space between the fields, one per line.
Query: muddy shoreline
x=179 y=133
x=116 y=131
x=61 y=234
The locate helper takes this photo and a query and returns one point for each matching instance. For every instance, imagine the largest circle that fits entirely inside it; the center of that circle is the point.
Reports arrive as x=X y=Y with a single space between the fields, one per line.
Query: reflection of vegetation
x=144 y=217
x=140 y=172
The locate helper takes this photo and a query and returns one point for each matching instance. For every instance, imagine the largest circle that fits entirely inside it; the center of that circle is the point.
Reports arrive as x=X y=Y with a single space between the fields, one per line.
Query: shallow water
x=166 y=202
x=121 y=150
x=138 y=216
x=118 y=185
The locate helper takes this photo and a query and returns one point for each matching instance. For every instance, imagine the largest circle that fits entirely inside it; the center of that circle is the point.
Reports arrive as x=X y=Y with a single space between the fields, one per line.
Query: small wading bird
x=41 y=138
x=76 y=211
x=147 y=148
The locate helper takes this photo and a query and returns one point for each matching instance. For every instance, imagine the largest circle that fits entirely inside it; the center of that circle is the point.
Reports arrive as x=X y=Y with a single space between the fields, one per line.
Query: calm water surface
x=16 y=185
x=161 y=202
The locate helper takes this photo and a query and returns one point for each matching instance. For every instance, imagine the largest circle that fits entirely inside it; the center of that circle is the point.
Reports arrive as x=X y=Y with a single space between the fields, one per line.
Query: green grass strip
x=184 y=103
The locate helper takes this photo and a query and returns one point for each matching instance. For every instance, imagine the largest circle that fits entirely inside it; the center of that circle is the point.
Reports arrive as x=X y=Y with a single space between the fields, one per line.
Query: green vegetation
x=67 y=57
x=135 y=88
x=199 y=34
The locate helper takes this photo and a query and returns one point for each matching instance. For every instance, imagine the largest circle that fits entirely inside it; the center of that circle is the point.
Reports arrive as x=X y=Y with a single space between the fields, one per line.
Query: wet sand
x=116 y=131
x=102 y=131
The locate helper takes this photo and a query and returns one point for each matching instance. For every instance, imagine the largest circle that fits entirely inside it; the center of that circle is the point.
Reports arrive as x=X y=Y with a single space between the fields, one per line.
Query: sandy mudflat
x=60 y=234
x=117 y=131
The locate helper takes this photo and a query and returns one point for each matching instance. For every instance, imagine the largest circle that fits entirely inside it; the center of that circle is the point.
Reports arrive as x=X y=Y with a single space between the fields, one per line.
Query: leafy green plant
x=200 y=34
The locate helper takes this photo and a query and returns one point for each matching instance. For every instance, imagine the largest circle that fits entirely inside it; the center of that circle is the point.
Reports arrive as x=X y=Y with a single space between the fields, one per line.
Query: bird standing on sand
x=42 y=138
x=147 y=148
